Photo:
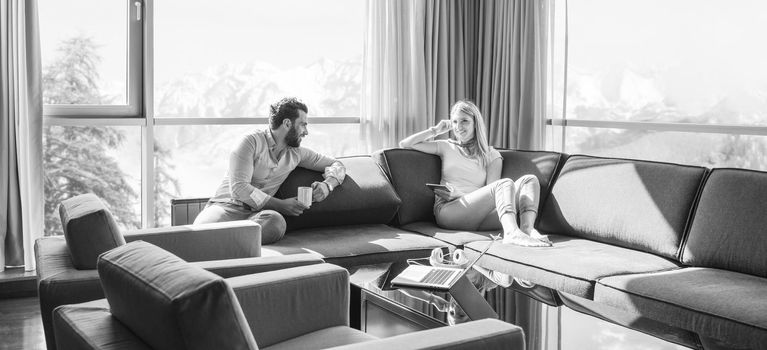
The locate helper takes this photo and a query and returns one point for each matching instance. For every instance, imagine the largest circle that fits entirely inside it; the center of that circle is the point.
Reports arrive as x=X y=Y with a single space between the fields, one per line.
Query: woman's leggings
x=482 y=209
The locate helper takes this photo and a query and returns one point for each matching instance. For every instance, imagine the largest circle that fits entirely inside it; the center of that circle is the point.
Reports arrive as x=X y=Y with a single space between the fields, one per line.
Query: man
x=259 y=165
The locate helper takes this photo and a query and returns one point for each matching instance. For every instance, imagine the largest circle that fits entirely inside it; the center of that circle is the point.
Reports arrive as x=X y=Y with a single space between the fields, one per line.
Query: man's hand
x=320 y=191
x=288 y=206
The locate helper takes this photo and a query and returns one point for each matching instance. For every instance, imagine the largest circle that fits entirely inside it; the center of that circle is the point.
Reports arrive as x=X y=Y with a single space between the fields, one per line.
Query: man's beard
x=292 y=138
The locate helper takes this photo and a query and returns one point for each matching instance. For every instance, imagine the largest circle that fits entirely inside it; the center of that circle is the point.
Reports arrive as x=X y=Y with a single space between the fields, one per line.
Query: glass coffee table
x=381 y=310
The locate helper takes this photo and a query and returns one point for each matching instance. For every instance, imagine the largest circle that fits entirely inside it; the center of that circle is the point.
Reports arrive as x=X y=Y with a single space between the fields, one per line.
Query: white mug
x=305 y=195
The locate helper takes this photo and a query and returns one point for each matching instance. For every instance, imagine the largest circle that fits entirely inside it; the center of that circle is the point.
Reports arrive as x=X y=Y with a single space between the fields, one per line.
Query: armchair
x=66 y=266
x=154 y=300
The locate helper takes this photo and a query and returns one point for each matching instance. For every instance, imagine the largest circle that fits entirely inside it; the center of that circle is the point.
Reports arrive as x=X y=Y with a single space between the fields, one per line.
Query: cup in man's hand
x=305 y=196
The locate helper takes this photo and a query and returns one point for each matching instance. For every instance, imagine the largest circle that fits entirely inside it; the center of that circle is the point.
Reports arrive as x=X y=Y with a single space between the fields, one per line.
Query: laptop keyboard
x=437 y=276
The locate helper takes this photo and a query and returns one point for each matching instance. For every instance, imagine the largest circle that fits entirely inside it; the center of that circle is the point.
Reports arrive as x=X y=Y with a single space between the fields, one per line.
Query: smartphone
x=438 y=186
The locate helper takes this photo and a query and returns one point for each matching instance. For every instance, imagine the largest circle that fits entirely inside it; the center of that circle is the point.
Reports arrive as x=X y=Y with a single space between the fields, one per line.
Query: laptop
x=434 y=277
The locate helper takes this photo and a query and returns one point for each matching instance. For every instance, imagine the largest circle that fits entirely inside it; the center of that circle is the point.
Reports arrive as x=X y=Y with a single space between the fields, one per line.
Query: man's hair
x=287 y=107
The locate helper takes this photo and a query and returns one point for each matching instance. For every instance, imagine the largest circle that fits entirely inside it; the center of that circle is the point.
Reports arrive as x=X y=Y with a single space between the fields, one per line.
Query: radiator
x=183 y=211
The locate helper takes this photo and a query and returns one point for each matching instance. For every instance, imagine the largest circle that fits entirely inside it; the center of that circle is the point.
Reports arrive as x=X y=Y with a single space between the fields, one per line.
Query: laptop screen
x=479 y=256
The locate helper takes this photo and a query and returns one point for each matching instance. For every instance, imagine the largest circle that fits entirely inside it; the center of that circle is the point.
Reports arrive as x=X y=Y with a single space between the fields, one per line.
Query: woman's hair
x=477 y=147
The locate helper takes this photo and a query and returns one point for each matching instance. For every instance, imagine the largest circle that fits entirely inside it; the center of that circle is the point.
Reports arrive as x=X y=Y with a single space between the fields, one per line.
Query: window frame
x=135 y=51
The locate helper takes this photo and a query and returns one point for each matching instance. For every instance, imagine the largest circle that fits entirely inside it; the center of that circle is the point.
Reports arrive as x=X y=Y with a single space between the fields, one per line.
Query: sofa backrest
x=543 y=164
x=169 y=303
x=409 y=170
x=729 y=228
x=365 y=197
x=635 y=204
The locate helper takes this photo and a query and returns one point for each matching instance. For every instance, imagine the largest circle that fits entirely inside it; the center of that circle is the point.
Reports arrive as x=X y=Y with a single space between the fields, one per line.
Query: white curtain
x=393 y=99
x=422 y=56
x=511 y=86
x=21 y=171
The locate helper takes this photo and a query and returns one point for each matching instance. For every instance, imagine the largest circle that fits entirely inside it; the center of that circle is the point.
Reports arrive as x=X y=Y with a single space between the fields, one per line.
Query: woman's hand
x=442 y=127
x=450 y=194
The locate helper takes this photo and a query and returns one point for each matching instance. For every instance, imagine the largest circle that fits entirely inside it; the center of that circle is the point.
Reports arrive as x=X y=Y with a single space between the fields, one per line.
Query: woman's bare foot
x=537 y=235
x=521 y=239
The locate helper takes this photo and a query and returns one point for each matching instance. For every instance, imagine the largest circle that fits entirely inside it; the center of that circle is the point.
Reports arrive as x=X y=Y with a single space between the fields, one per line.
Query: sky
x=192 y=35
x=694 y=52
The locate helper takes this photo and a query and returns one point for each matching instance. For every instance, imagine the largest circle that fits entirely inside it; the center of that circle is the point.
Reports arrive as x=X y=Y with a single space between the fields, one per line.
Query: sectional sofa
x=673 y=250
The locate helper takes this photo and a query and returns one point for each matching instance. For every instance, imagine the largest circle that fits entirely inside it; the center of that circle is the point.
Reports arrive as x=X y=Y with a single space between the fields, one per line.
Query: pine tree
x=76 y=158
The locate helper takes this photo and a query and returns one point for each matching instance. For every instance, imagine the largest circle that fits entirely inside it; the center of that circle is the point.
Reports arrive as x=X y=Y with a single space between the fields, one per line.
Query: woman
x=477 y=197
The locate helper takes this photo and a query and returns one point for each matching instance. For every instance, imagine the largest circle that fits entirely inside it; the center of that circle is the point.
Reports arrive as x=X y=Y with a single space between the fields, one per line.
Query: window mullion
x=147 y=135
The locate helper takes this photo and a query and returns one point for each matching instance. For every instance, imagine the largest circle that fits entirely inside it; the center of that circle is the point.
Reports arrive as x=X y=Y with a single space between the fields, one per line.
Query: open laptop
x=434 y=277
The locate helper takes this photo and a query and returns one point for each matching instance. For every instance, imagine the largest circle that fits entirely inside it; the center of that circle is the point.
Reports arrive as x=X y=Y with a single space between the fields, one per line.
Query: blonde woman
x=477 y=198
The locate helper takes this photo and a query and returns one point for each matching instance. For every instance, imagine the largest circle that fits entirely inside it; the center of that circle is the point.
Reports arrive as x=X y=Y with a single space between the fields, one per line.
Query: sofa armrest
x=482 y=334
x=59 y=282
x=214 y=241
x=245 y=266
x=284 y=304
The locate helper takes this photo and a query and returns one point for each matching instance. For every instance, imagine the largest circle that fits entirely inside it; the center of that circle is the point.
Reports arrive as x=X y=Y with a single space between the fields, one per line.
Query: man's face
x=297 y=131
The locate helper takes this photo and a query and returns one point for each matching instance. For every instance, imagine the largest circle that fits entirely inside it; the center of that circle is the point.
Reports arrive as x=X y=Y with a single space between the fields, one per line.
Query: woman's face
x=463 y=126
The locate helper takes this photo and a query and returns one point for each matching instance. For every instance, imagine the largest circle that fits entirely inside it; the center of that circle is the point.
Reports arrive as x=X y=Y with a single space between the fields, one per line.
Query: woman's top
x=460 y=171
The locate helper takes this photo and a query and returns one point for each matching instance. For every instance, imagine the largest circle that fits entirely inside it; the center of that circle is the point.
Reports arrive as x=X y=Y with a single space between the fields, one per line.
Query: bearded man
x=259 y=165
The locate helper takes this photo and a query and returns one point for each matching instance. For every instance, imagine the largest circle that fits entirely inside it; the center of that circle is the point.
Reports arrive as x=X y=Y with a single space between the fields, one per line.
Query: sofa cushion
x=169 y=303
x=355 y=245
x=728 y=229
x=88 y=228
x=455 y=237
x=365 y=197
x=719 y=304
x=572 y=265
x=630 y=203
x=409 y=170
x=542 y=164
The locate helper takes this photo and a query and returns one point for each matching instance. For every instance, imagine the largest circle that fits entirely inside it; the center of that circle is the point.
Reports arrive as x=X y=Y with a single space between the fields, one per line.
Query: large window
x=680 y=81
x=144 y=99
x=686 y=61
x=104 y=160
x=91 y=63
x=249 y=53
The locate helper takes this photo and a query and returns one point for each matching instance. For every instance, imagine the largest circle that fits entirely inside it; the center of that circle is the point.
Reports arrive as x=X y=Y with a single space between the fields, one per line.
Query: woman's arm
x=417 y=140
x=494 y=170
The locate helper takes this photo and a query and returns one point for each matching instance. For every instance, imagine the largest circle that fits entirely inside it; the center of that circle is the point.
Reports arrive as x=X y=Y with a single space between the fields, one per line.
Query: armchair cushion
x=91 y=326
x=324 y=339
x=89 y=229
x=486 y=334
x=169 y=303
x=300 y=300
